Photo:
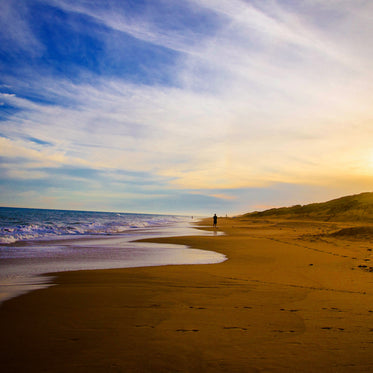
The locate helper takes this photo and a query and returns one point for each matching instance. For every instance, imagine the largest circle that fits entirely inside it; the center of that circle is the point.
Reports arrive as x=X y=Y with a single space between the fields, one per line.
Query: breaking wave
x=18 y=224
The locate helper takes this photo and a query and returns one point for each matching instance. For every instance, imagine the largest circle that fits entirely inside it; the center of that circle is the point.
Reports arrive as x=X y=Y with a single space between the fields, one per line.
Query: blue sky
x=186 y=106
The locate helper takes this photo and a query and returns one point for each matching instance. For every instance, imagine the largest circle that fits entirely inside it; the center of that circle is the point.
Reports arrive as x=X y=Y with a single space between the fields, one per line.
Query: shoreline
x=44 y=260
x=288 y=299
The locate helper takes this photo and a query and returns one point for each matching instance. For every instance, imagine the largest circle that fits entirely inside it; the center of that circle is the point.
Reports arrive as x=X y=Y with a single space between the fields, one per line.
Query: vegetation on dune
x=356 y=232
x=357 y=207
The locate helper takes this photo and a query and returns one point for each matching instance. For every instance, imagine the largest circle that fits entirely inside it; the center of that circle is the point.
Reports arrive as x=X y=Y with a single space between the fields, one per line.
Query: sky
x=184 y=107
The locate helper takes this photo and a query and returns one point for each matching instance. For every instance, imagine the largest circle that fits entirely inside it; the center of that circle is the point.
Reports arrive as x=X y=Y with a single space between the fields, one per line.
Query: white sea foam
x=64 y=241
x=33 y=224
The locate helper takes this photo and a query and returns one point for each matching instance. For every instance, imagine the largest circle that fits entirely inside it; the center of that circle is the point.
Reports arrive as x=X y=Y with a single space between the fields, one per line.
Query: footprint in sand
x=234 y=327
x=334 y=309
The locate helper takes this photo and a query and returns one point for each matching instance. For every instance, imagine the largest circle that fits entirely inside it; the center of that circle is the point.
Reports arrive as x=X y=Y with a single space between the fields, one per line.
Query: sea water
x=34 y=242
x=18 y=224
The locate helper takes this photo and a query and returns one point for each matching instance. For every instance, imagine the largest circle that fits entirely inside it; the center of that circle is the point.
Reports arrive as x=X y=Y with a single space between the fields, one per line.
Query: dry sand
x=289 y=299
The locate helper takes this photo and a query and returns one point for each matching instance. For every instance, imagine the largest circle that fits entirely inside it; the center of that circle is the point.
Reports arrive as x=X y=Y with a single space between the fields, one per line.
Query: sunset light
x=189 y=100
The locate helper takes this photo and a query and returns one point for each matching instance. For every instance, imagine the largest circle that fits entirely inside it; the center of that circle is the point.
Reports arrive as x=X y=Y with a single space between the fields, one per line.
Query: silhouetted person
x=215 y=219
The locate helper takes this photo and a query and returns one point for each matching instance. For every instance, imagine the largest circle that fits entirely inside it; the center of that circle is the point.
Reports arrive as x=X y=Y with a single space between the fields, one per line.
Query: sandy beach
x=290 y=298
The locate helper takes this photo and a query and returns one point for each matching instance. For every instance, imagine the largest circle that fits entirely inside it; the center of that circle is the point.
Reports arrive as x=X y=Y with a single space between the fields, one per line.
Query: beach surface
x=292 y=297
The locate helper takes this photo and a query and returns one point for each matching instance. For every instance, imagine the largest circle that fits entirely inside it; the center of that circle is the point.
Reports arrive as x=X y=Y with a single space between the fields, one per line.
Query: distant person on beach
x=215 y=219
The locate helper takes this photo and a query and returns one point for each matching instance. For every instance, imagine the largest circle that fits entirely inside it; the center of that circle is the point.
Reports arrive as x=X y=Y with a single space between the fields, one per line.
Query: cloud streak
x=262 y=93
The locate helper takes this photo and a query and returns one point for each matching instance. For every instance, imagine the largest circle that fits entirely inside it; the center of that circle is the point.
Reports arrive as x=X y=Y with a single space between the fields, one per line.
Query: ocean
x=35 y=242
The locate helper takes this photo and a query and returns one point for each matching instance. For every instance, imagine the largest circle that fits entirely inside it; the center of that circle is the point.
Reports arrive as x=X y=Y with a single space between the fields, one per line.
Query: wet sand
x=23 y=263
x=291 y=298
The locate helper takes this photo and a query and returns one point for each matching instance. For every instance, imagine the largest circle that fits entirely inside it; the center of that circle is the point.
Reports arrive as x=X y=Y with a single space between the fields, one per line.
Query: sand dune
x=350 y=208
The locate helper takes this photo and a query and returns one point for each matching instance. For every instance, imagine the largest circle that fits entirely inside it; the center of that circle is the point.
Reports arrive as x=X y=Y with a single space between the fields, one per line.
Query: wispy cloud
x=15 y=31
x=263 y=93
